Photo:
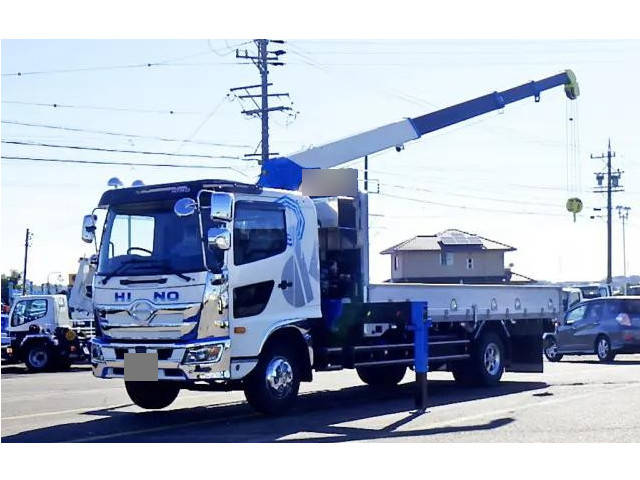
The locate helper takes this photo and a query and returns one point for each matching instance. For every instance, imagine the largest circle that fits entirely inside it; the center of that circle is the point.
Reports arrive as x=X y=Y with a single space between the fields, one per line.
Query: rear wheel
x=272 y=387
x=384 y=376
x=603 y=349
x=551 y=350
x=486 y=365
x=152 y=395
x=38 y=357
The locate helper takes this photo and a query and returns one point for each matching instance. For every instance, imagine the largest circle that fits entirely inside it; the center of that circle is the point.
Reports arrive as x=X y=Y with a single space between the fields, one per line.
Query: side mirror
x=89 y=228
x=221 y=206
x=219 y=238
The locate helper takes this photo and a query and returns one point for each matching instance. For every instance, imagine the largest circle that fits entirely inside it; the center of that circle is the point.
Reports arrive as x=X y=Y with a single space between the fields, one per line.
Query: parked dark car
x=602 y=326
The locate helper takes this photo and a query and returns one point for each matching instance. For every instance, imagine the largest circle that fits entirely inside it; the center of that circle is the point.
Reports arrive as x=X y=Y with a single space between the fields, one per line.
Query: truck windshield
x=590 y=292
x=148 y=239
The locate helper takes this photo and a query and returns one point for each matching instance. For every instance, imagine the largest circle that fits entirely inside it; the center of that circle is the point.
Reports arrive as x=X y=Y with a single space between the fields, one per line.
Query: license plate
x=141 y=367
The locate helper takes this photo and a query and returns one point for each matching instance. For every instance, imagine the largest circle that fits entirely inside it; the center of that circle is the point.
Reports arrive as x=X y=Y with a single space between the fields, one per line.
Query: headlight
x=204 y=354
x=96 y=353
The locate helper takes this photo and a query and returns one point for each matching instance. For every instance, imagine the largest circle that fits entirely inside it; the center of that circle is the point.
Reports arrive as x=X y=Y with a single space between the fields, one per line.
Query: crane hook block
x=571 y=88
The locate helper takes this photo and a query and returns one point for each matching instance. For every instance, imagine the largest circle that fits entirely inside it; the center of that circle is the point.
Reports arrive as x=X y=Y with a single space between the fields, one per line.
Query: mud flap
x=526 y=346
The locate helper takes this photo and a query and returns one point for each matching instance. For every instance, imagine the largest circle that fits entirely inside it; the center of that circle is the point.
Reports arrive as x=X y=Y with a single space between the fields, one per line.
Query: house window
x=396 y=262
x=469 y=263
x=446 y=259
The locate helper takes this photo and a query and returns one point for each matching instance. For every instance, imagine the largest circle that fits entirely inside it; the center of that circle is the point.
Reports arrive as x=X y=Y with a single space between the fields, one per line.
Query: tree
x=13 y=277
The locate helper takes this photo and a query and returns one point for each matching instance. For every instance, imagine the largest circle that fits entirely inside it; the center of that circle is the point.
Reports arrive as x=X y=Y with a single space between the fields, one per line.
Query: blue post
x=421 y=323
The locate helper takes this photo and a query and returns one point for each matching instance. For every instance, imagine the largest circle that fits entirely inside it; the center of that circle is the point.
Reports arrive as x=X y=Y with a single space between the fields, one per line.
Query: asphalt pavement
x=576 y=400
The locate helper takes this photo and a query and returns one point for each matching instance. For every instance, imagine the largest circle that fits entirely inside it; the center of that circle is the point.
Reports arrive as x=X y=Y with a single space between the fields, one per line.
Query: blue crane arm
x=493 y=101
x=286 y=172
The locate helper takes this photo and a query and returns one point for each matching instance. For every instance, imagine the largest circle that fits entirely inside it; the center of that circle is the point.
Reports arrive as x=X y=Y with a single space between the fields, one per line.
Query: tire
x=152 y=395
x=382 y=377
x=486 y=365
x=551 y=350
x=38 y=358
x=603 y=349
x=272 y=387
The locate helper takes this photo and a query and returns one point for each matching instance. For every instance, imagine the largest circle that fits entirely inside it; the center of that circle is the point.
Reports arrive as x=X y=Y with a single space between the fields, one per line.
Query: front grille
x=163 y=353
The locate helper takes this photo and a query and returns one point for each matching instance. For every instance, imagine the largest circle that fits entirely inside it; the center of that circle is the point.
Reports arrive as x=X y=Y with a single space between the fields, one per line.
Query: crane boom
x=286 y=172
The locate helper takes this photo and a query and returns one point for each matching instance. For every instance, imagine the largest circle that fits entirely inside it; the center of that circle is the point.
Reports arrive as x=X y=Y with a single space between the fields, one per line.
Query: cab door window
x=28 y=310
x=575 y=315
x=259 y=231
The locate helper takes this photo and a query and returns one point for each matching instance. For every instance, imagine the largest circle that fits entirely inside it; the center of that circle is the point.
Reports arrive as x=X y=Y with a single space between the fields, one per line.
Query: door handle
x=284 y=284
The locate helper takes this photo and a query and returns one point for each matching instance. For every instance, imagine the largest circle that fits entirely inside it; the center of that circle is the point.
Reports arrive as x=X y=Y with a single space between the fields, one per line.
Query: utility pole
x=27 y=239
x=623 y=214
x=263 y=59
x=613 y=185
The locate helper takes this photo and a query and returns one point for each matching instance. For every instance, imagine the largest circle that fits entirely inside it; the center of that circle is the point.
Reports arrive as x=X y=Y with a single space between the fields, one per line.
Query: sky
x=505 y=175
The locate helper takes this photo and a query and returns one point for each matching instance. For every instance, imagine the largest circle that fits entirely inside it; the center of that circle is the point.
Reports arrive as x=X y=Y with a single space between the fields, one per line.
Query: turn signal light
x=239 y=329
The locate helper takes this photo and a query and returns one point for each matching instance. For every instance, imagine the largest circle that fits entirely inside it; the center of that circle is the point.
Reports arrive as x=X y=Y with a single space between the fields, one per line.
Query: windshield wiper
x=118 y=269
x=166 y=265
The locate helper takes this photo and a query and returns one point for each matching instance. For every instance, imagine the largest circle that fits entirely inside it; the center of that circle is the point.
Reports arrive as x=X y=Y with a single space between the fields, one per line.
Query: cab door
x=589 y=327
x=267 y=285
x=30 y=311
x=566 y=333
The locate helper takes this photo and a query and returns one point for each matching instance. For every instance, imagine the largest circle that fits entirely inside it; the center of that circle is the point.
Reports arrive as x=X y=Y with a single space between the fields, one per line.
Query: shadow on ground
x=598 y=362
x=21 y=369
x=318 y=415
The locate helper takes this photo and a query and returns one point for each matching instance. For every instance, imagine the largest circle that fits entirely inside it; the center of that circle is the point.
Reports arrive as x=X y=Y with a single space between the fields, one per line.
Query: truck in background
x=41 y=334
x=217 y=285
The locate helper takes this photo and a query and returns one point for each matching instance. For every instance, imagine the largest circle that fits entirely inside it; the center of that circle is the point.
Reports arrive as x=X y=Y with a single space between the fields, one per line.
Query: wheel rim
x=552 y=349
x=492 y=359
x=38 y=358
x=603 y=348
x=279 y=377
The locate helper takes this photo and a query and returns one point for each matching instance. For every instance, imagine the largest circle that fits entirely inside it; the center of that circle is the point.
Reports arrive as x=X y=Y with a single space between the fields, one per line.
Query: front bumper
x=171 y=357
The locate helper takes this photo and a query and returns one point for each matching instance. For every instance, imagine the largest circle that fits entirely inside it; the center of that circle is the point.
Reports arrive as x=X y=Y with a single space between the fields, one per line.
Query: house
x=452 y=256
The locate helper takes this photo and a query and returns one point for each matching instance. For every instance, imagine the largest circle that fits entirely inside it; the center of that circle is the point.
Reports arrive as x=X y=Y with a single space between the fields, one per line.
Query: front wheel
x=383 y=376
x=38 y=358
x=152 y=395
x=551 y=350
x=272 y=387
x=603 y=349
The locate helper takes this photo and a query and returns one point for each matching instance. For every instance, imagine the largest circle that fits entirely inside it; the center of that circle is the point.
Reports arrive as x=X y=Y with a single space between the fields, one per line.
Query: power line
x=465 y=207
x=121 y=134
x=161 y=63
x=115 y=150
x=125 y=164
x=476 y=197
x=94 y=107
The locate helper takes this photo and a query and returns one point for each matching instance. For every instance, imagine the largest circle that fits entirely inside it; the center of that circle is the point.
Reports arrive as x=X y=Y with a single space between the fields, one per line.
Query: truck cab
x=40 y=333
x=167 y=257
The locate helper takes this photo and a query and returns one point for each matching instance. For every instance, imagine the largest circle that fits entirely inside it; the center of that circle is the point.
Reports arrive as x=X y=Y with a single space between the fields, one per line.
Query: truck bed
x=458 y=302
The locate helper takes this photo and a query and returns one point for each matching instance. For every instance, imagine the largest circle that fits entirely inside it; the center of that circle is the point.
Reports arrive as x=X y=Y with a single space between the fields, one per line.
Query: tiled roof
x=433 y=242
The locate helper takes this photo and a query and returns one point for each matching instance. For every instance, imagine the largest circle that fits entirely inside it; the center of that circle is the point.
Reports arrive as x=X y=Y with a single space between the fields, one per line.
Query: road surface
x=576 y=400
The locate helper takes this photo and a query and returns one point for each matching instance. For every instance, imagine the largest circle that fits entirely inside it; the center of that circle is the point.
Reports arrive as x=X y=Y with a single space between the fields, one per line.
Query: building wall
x=415 y=264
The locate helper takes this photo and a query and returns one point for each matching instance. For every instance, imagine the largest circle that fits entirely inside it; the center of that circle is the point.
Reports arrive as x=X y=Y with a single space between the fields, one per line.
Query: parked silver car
x=602 y=326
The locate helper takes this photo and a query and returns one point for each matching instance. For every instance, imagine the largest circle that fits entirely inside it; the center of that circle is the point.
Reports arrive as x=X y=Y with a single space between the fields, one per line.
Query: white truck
x=41 y=334
x=218 y=285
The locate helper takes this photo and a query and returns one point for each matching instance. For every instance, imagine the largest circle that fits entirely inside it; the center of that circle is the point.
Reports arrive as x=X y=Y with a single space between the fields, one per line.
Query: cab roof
x=176 y=190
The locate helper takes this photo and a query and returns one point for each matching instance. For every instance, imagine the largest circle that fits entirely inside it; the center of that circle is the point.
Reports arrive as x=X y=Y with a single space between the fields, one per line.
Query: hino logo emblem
x=142 y=312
